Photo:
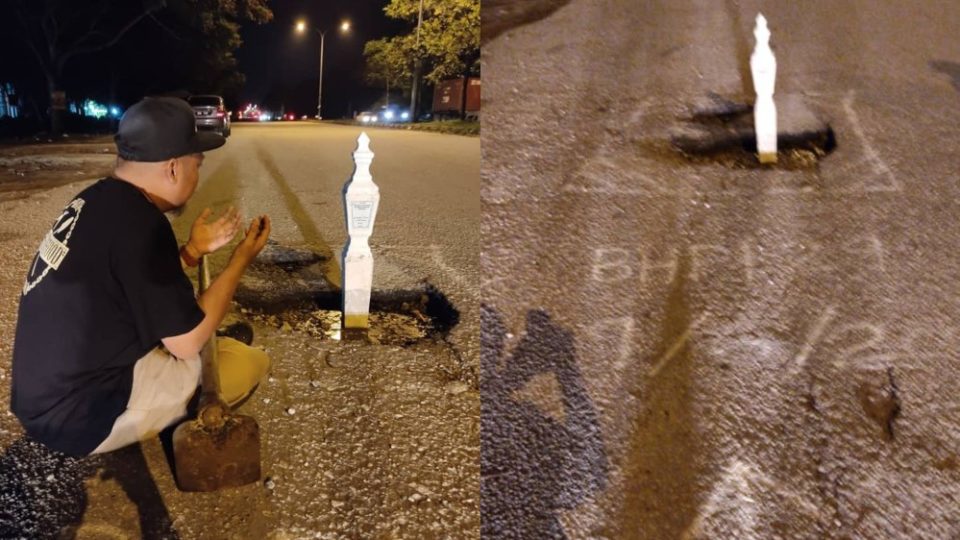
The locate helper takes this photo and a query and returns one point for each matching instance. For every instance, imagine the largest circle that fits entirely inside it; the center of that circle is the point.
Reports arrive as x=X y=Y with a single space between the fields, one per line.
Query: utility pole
x=417 y=66
x=320 y=91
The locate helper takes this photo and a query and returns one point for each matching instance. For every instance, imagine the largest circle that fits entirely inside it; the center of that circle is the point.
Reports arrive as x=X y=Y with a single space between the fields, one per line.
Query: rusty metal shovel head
x=218 y=449
x=211 y=458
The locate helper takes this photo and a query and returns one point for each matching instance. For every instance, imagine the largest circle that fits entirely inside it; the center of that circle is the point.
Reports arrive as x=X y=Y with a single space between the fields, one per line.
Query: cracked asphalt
x=359 y=440
x=720 y=351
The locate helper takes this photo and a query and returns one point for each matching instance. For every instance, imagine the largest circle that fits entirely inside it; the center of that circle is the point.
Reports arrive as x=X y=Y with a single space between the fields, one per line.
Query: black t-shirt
x=104 y=288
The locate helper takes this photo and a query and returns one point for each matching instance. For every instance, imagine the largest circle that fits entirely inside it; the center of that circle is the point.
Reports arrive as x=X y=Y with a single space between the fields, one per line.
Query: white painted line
x=677 y=346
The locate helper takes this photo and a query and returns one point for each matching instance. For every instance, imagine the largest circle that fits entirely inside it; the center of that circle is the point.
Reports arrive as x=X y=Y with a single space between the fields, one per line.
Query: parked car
x=211 y=113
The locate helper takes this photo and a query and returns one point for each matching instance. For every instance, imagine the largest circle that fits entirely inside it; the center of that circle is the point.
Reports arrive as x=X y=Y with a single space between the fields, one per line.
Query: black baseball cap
x=161 y=128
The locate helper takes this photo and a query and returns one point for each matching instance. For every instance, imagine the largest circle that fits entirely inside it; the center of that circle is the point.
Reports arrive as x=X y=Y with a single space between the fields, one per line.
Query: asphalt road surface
x=359 y=440
x=677 y=348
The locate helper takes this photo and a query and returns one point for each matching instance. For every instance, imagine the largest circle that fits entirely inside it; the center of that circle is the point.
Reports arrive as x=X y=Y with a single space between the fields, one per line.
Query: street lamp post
x=301 y=27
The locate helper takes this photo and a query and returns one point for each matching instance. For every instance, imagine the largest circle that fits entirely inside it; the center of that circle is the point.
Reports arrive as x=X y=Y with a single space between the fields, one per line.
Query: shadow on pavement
x=948 y=68
x=302 y=218
x=42 y=492
x=660 y=469
x=533 y=465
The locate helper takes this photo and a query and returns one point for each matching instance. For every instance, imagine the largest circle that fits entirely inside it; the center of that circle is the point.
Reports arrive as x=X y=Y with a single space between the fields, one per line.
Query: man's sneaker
x=240 y=331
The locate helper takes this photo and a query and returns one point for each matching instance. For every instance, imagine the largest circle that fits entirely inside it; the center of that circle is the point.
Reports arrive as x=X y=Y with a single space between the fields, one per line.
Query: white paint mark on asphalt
x=616 y=265
x=610 y=264
x=731 y=500
x=437 y=255
x=612 y=174
x=411 y=252
x=607 y=175
x=872 y=155
x=625 y=346
x=749 y=261
x=871 y=345
x=813 y=338
x=638 y=113
x=869 y=247
x=734 y=502
x=613 y=337
x=677 y=346
x=648 y=266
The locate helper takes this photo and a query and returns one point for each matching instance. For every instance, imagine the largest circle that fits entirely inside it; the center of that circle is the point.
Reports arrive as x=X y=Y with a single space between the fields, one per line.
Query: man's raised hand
x=208 y=237
x=253 y=242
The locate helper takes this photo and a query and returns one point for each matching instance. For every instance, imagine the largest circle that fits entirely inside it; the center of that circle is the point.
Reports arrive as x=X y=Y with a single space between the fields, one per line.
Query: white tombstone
x=763 y=66
x=361 y=199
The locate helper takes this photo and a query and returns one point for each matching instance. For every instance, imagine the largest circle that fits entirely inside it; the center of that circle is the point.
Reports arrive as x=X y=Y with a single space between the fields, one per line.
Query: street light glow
x=301 y=27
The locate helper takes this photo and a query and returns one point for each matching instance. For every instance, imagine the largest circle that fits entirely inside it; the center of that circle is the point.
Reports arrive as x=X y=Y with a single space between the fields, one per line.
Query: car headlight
x=388 y=115
x=405 y=115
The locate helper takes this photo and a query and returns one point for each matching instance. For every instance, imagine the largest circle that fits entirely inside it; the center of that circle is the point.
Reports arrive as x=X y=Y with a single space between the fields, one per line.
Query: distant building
x=8 y=101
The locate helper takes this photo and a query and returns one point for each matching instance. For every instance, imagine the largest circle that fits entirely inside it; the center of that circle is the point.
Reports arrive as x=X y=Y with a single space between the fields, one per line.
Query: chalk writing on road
x=612 y=264
x=862 y=345
x=743 y=485
x=841 y=342
x=859 y=168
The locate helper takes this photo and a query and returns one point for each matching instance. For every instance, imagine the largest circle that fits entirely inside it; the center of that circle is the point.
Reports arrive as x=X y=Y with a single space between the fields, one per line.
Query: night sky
x=283 y=65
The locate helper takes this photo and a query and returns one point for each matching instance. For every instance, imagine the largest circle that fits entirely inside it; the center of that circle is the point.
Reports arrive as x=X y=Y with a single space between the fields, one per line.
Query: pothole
x=722 y=131
x=396 y=318
x=286 y=289
x=288 y=258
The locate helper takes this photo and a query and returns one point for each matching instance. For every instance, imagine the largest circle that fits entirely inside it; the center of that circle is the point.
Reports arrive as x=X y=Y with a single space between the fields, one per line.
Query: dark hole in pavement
x=722 y=131
x=287 y=289
x=288 y=259
x=396 y=317
x=312 y=307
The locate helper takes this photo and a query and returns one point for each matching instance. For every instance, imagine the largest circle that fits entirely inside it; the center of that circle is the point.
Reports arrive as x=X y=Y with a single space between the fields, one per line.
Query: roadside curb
x=471 y=129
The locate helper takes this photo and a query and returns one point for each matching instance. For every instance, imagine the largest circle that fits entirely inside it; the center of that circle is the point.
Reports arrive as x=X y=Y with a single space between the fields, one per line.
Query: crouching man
x=109 y=331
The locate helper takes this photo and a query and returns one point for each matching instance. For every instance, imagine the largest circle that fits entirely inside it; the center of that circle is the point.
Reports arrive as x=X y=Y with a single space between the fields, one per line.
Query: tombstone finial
x=763 y=67
x=761 y=32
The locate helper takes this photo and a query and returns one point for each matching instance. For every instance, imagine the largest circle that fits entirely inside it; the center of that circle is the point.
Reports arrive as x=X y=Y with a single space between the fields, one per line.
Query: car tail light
x=220 y=114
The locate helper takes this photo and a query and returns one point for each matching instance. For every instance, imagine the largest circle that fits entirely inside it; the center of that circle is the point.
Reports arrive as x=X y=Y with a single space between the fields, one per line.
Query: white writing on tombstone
x=360 y=214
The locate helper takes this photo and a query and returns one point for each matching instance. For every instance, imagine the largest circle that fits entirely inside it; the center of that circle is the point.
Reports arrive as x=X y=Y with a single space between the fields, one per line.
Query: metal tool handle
x=211 y=408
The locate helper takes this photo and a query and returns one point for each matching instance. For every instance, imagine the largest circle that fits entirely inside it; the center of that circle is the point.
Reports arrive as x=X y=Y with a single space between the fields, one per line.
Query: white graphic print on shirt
x=53 y=249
